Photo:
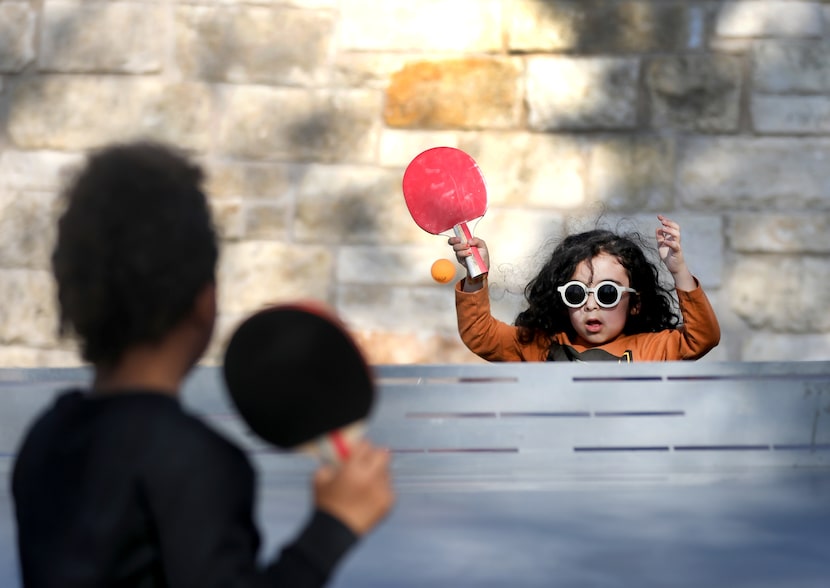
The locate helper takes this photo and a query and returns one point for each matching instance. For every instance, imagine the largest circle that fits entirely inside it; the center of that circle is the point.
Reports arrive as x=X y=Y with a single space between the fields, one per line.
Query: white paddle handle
x=475 y=263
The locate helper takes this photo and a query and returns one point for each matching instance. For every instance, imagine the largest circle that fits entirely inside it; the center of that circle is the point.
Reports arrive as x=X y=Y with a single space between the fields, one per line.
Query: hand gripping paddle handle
x=475 y=263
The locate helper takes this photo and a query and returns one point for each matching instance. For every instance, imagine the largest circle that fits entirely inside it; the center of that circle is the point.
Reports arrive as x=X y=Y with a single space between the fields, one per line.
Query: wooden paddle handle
x=475 y=263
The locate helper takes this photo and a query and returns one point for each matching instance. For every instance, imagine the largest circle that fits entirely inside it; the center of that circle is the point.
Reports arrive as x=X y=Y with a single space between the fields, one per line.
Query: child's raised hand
x=671 y=253
x=668 y=243
x=463 y=250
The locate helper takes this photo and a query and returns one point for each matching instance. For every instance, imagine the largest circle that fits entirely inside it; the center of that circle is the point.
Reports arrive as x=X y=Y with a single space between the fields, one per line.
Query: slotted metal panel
x=658 y=418
x=661 y=474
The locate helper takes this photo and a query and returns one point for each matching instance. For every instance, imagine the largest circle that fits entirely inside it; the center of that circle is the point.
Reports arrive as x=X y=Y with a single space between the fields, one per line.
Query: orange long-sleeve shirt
x=495 y=340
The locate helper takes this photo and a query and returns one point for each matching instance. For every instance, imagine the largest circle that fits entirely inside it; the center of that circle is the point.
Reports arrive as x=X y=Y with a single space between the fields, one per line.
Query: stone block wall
x=306 y=112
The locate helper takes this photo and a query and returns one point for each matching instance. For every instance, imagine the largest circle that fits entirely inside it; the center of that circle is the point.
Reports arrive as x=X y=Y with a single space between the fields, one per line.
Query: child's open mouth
x=593 y=325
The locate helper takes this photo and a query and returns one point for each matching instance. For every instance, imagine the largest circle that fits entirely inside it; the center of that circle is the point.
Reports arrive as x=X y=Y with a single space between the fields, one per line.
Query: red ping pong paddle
x=444 y=190
x=299 y=380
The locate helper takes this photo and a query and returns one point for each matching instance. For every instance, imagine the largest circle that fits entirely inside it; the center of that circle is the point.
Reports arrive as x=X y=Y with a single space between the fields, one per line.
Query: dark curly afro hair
x=135 y=246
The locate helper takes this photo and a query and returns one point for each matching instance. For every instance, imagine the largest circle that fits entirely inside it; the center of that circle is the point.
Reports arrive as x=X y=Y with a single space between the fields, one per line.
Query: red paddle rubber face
x=444 y=190
x=444 y=187
x=294 y=374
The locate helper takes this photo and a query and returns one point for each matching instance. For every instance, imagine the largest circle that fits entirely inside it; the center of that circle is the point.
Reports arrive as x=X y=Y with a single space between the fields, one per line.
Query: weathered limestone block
x=745 y=173
x=254 y=44
x=352 y=205
x=355 y=69
x=387 y=347
x=29 y=185
x=781 y=293
x=17 y=36
x=530 y=169
x=730 y=326
x=733 y=327
x=27 y=228
x=533 y=25
x=397 y=147
x=427 y=25
x=769 y=18
x=37 y=170
x=463 y=94
x=254 y=273
x=252 y=200
x=785 y=115
x=228 y=179
x=636 y=26
x=392 y=264
x=596 y=26
x=75 y=113
x=28 y=314
x=730 y=45
x=228 y=218
x=265 y=219
x=791 y=66
x=19 y=356
x=582 y=93
x=774 y=347
x=700 y=93
x=425 y=311
x=114 y=37
x=296 y=124
x=808 y=232
x=633 y=173
x=309 y=3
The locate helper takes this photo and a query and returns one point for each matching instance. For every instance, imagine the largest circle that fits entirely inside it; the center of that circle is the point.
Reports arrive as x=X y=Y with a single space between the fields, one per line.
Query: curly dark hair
x=547 y=315
x=135 y=246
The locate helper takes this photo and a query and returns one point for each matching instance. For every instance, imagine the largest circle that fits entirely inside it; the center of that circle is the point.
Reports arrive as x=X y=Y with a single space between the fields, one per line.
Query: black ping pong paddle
x=299 y=380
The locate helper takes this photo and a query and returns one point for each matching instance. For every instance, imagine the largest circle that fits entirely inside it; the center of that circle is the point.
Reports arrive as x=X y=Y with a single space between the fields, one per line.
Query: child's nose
x=591 y=302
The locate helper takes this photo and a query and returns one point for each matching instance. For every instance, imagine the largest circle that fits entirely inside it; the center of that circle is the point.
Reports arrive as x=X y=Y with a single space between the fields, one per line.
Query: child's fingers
x=668 y=242
x=459 y=245
x=668 y=224
x=669 y=233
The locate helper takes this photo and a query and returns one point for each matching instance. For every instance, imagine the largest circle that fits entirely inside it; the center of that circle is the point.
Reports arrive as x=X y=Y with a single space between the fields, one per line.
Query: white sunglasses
x=607 y=294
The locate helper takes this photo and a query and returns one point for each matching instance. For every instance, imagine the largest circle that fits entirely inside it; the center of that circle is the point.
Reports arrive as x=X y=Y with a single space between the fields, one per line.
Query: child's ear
x=204 y=307
x=635 y=309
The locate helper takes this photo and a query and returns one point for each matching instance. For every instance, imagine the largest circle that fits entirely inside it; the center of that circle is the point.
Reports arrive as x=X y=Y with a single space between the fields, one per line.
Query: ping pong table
x=603 y=475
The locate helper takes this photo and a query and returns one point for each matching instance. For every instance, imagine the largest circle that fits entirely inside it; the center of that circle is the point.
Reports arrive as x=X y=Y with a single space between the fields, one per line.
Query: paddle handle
x=335 y=446
x=475 y=263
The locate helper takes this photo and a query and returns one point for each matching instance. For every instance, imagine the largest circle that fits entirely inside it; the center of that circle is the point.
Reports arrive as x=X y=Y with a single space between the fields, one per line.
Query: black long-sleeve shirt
x=129 y=490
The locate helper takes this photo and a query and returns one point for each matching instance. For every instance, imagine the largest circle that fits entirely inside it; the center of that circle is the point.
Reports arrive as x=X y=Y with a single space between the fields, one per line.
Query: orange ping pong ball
x=443 y=270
